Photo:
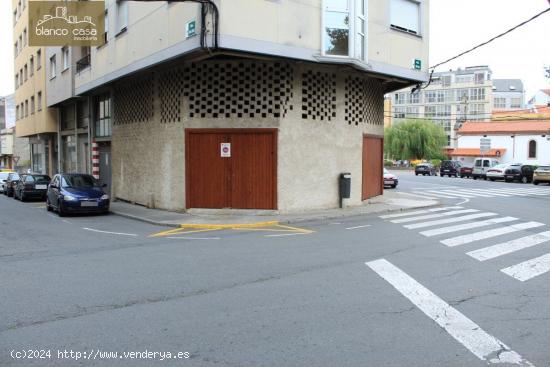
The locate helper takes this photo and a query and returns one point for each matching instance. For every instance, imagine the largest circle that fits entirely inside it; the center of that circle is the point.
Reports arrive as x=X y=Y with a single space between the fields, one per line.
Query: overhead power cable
x=492 y=39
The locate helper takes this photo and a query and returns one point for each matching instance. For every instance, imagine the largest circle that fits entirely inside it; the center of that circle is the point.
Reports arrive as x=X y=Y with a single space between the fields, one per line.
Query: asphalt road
x=363 y=291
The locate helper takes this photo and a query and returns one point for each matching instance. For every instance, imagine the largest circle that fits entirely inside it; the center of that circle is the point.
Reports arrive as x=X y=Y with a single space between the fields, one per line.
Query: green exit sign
x=191 y=29
x=417 y=64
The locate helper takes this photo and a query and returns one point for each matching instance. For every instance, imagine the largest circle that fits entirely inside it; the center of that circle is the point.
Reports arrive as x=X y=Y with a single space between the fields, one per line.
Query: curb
x=259 y=224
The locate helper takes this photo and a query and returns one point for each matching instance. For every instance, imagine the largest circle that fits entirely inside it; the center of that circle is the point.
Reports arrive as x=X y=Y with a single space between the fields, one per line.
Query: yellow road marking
x=258 y=226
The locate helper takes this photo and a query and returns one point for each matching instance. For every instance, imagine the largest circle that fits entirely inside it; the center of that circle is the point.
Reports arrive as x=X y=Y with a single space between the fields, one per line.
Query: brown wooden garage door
x=247 y=179
x=373 y=181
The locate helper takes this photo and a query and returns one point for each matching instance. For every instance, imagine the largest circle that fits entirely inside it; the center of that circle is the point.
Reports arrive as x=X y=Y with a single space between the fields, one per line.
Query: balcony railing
x=83 y=63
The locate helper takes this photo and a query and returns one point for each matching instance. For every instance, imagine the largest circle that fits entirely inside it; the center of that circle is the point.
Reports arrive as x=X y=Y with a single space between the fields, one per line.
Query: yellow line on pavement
x=230 y=226
x=258 y=226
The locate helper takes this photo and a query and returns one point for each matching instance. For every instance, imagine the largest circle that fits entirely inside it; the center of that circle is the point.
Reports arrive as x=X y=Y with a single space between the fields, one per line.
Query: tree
x=415 y=139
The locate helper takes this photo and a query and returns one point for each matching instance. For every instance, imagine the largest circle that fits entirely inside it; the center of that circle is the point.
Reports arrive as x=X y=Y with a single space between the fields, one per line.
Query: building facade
x=251 y=111
x=541 y=98
x=450 y=99
x=35 y=121
x=517 y=141
x=508 y=95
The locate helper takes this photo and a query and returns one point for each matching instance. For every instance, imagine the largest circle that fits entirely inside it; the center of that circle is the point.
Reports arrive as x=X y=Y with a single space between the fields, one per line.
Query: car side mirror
x=53 y=186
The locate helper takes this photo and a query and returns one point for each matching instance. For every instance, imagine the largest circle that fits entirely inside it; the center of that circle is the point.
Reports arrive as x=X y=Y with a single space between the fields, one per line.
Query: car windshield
x=3 y=175
x=81 y=181
x=14 y=176
x=385 y=171
x=544 y=168
x=500 y=166
x=40 y=179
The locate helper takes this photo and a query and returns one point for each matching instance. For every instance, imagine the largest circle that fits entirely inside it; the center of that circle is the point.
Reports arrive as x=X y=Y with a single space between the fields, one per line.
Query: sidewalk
x=389 y=202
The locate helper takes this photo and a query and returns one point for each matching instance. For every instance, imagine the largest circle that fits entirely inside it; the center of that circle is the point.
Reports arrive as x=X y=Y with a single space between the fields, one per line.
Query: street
x=427 y=287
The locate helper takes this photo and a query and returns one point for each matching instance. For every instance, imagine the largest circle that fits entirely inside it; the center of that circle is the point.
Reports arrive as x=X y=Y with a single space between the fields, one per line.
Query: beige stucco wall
x=148 y=164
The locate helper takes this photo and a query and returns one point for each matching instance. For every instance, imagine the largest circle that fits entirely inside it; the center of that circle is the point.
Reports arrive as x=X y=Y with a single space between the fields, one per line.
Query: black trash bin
x=345 y=187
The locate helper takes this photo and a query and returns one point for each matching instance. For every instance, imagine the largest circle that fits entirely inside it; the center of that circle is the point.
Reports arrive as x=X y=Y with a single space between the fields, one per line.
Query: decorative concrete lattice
x=318 y=95
x=134 y=101
x=238 y=89
x=170 y=84
x=364 y=101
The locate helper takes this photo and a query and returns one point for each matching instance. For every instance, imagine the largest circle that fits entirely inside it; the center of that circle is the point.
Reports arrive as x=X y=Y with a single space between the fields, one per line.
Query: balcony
x=83 y=63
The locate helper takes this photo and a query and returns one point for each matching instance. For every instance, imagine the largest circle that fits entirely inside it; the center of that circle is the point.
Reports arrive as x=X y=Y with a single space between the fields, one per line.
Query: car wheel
x=416 y=174
x=48 y=206
x=60 y=210
x=22 y=196
x=492 y=179
x=393 y=186
x=535 y=182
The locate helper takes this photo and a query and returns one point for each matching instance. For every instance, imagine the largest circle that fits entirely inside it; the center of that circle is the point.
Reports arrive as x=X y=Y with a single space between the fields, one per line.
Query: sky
x=455 y=26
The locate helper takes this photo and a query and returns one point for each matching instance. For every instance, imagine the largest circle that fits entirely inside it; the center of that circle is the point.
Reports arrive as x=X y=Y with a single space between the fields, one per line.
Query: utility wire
x=492 y=39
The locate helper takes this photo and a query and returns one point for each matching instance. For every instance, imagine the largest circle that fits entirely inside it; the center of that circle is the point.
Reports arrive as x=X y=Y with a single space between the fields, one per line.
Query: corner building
x=291 y=97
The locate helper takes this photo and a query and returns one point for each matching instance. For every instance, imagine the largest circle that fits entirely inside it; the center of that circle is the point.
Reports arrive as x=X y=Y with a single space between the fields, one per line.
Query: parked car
x=11 y=181
x=496 y=172
x=425 y=169
x=3 y=178
x=31 y=185
x=481 y=166
x=519 y=172
x=541 y=174
x=466 y=171
x=76 y=193
x=390 y=179
x=450 y=168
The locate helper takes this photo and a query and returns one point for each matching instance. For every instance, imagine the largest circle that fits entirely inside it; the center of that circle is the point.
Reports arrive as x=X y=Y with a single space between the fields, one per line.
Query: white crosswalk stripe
x=468 y=193
x=449 y=220
x=431 y=216
x=529 y=269
x=461 y=227
x=522 y=271
x=420 y=212
x=471 y=237
x=508 y=247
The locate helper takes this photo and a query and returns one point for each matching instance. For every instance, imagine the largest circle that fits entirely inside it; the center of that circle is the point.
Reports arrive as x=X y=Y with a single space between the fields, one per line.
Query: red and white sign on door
x=225 y=149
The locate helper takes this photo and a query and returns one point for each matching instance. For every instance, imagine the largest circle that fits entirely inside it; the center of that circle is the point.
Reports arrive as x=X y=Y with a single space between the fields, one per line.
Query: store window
x=103 y=116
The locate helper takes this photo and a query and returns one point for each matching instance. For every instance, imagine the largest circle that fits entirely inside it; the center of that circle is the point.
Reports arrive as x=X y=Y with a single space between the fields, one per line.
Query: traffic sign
x=484 y=145
x=225 y=150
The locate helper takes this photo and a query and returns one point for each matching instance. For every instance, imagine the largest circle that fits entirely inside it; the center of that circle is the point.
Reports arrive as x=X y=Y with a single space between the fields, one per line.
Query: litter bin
x=345 y=187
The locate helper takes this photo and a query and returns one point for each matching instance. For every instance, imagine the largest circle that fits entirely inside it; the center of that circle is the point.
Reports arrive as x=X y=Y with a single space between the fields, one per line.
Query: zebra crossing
x=470 y=193
x=451 y=220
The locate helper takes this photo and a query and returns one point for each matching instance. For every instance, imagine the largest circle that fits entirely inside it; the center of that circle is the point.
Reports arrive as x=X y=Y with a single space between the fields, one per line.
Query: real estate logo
x=66 y=23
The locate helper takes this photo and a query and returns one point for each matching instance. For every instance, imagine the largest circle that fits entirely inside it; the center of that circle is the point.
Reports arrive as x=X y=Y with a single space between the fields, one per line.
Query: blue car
x=70 y=193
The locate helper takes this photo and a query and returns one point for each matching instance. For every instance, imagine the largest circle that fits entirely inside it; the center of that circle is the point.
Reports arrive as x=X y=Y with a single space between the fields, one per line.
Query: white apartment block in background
x=451 y=98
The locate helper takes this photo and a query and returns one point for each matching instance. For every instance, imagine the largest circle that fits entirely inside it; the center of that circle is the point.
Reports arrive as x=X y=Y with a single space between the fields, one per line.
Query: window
x=499 y=102
x=399 y=98
x=121 y=16
x=26 y=107
x=515 y=103
x=477 y=94
x=480 y=78
x=68 y=117
x=414 y=97
x=399 y=112
x=15 y=49
x=440 y=96
x=106 y=21
x=464 y=78
x=446 y=80
x=431 y=96
x=532 y=149
x=20 y=43
x=65 y=53
x=24 y=37
x=26 y=72
x=16 y=80
x=52 y=67
x=14 y=17
x=477 y=111
x=462 y=95
x=17 y=112
x=405 y=16
x=412 y=112
x=103 y=115
x=39 y=101
x=32 y=105
x=360 y=37
x=31 y=65
x=38 y=59
x=336 y=34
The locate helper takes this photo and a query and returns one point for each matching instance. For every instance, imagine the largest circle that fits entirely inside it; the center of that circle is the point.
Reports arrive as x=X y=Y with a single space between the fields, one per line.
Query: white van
x=481 y=165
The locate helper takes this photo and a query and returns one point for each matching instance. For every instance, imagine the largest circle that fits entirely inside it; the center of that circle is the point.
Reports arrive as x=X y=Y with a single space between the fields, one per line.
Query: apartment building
x=508 y=95
x=451 y=98
x=241 y=104
x=34 y=121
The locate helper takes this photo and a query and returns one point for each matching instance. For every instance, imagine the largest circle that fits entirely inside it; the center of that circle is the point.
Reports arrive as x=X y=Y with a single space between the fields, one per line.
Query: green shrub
x=436 y=162
x=388 y=163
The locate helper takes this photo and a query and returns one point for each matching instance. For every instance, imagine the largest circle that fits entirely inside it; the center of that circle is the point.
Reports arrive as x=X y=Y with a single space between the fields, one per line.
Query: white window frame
x=53 y=67
x=121 y=24
x=353 y=35
x=399 y=28
x=65 y=57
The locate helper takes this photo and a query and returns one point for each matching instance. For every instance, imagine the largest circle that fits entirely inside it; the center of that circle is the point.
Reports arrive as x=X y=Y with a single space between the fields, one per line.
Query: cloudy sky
x=455 y=26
